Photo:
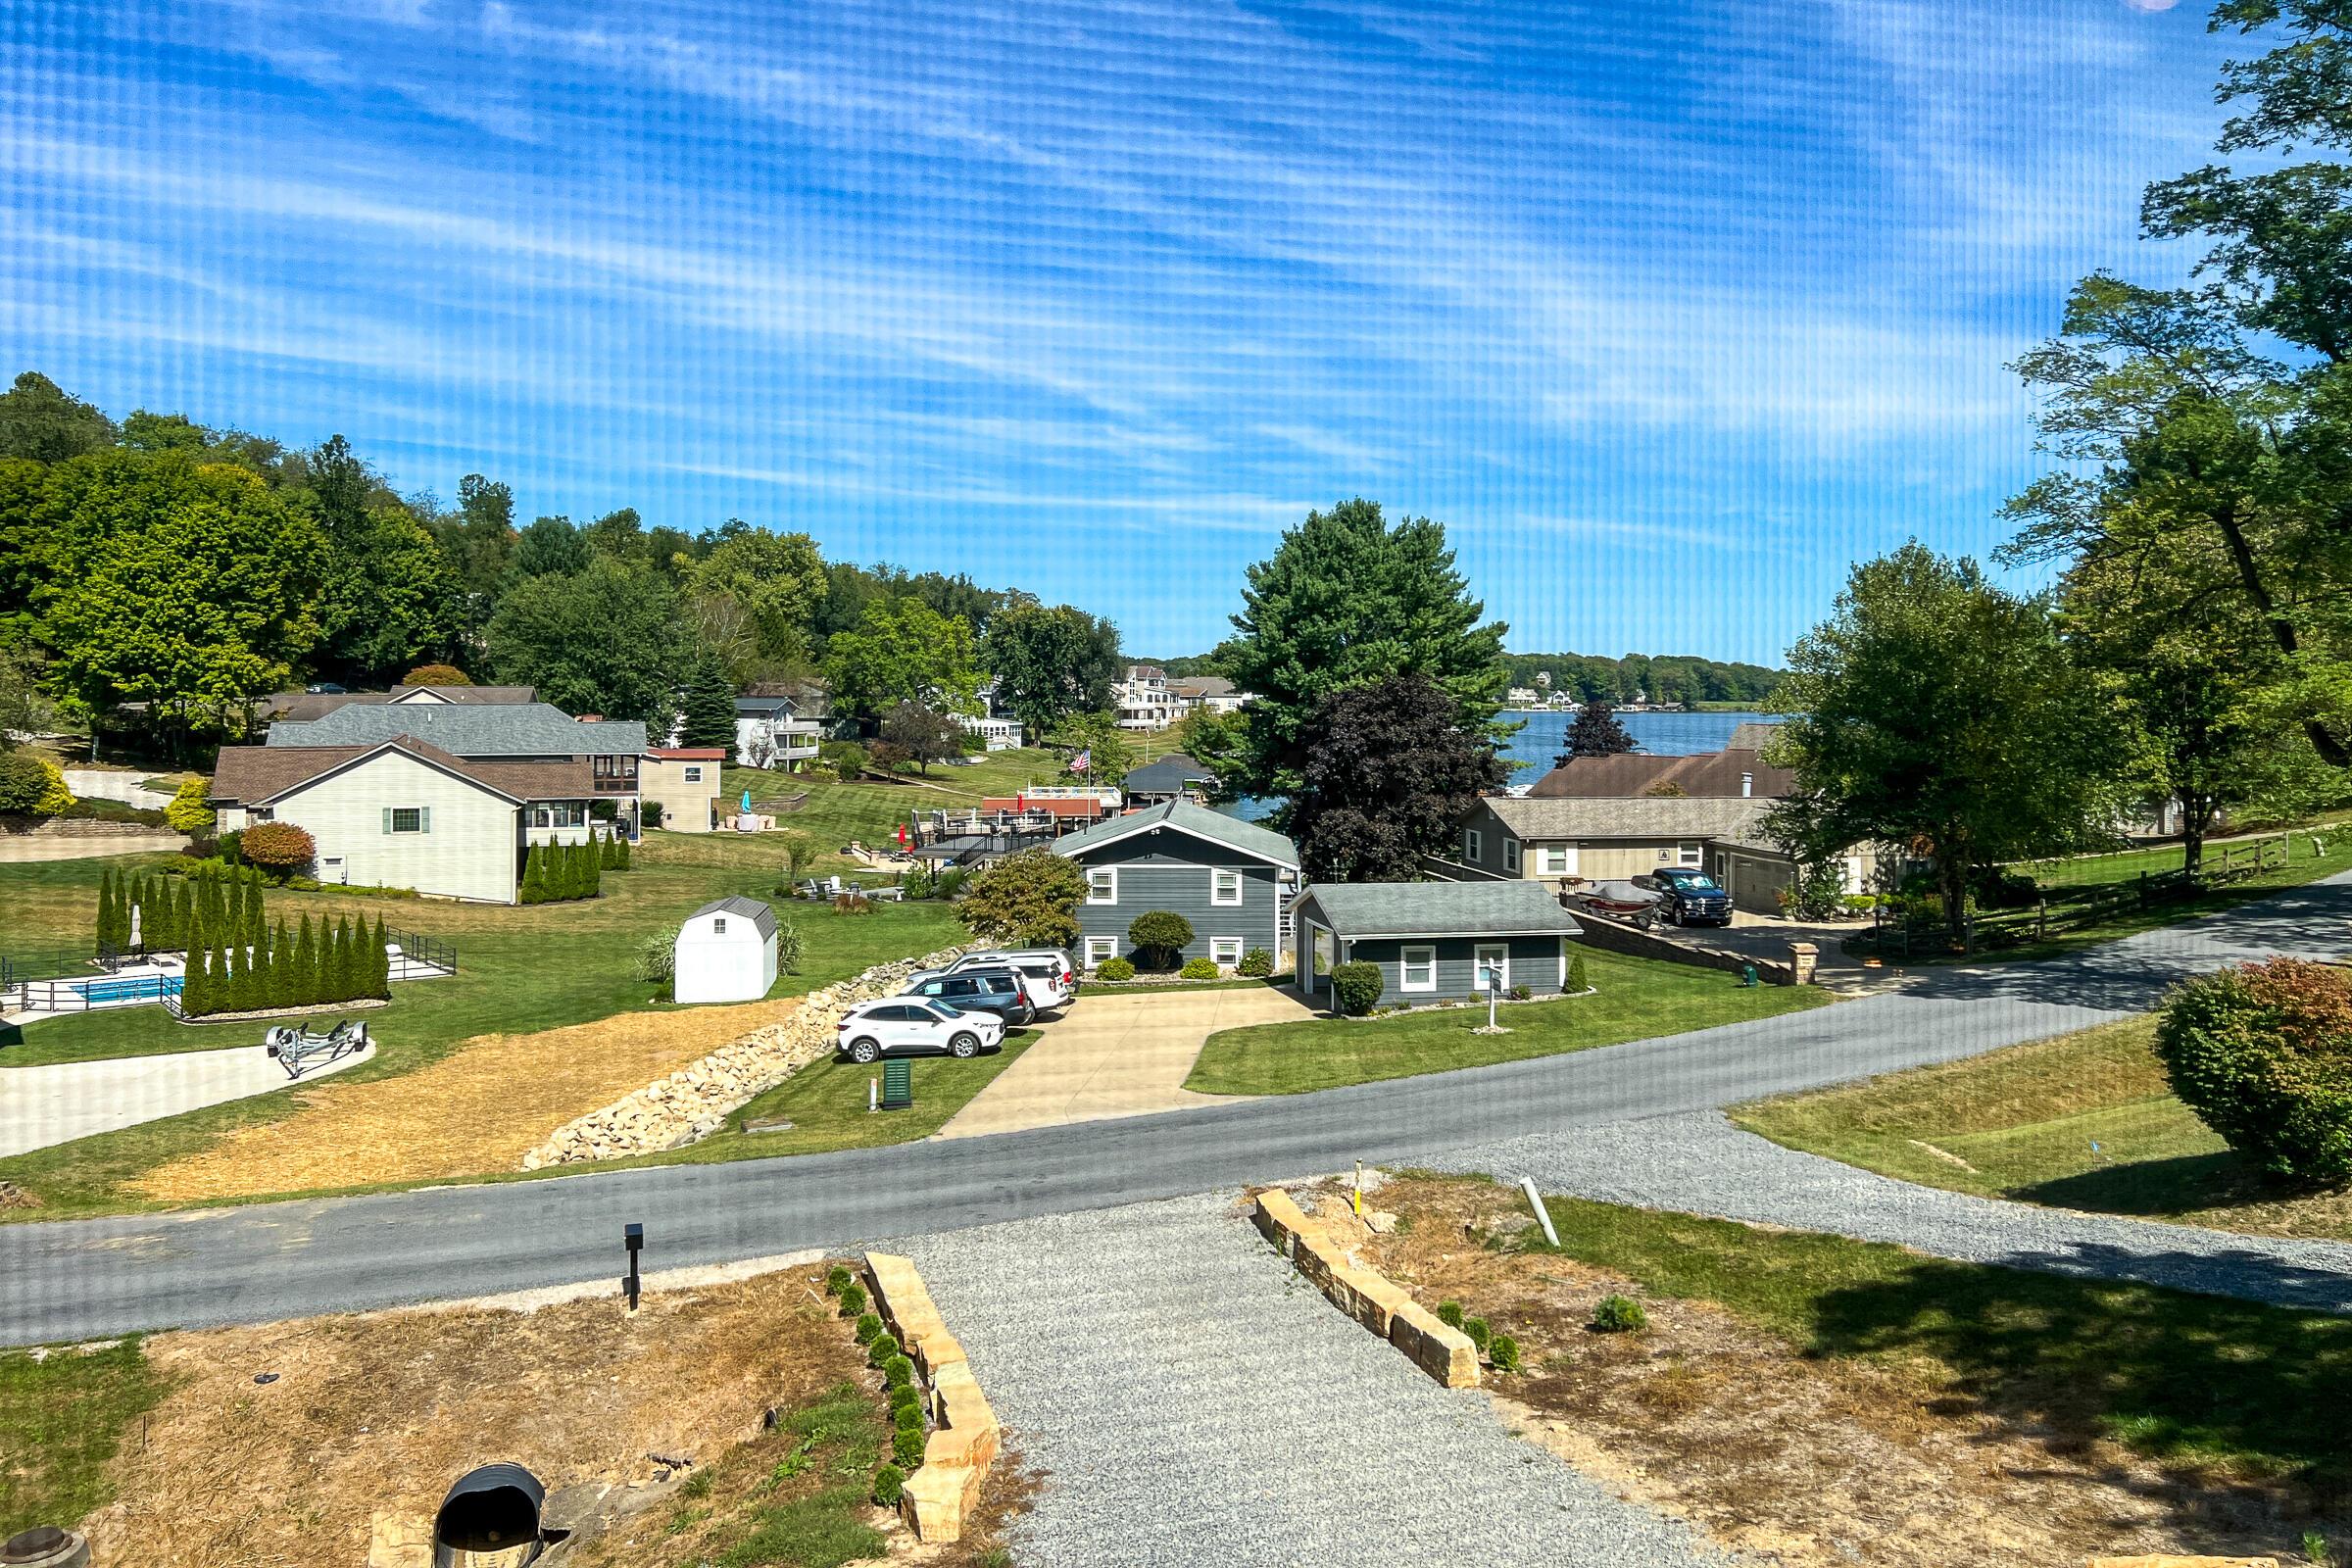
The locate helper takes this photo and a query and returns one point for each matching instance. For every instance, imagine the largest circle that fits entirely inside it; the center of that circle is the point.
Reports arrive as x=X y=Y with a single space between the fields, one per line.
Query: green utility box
x=897 y=1085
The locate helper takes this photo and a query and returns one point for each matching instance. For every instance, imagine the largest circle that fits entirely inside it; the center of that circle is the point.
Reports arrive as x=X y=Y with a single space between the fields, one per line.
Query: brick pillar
x=1802 y=956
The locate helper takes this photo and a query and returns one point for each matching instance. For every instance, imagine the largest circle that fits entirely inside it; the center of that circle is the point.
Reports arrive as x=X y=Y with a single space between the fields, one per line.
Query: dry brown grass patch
x=477 y=1111
x=1801 y=1460
x=379 y=1413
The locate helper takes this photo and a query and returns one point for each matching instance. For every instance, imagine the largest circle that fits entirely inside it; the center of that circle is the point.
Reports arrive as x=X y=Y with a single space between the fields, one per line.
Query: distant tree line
x=1677 y=679
x=157 y=577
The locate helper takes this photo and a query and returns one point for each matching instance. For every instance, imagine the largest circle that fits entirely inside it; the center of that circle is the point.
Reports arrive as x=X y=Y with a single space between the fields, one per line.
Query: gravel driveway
x=1699 y=1163
x=1190 y=1400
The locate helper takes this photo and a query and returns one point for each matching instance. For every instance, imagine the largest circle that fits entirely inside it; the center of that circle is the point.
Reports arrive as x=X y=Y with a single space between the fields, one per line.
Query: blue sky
x=1669 y=312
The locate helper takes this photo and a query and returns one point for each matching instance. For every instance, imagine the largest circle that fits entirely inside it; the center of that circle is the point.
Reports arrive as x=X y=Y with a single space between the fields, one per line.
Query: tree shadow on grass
x=2230 y=1396
x=2181 y=1185
x=11 y=1034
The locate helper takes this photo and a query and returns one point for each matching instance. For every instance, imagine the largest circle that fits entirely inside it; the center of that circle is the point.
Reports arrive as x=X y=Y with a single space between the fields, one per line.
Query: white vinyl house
x=726 y=951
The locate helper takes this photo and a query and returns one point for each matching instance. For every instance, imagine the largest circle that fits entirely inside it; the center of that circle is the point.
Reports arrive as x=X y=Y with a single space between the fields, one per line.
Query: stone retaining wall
x=1365 y=1294
x=90 y=827
x=964 y=1436
x=1619 y=936
x=695 y=1101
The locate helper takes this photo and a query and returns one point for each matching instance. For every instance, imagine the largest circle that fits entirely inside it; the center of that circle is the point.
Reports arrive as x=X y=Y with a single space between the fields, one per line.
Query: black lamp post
x=633 y=1236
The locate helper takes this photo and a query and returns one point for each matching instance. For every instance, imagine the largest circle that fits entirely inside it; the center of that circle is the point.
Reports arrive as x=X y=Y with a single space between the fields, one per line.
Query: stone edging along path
x=693 y=1101
x=964 y=1434
x=1365 y=1294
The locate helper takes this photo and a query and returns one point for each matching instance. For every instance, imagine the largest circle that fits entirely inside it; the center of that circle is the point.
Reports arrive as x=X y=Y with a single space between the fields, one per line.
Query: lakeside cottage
x=1436 y=940
x=1230 y=880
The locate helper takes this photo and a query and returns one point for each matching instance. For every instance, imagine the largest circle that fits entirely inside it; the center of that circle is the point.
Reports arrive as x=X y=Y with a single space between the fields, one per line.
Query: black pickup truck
x=1690 y=895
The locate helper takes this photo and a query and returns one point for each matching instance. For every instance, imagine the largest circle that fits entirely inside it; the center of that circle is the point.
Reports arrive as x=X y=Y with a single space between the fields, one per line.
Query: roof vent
x=1747 y=785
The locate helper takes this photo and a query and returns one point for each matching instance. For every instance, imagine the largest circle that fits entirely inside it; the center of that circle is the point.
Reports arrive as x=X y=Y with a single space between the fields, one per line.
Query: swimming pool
x=137 y=988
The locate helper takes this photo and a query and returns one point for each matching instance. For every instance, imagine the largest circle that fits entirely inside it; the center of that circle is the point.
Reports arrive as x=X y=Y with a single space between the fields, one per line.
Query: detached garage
x=1436 y=940
x=726 y=951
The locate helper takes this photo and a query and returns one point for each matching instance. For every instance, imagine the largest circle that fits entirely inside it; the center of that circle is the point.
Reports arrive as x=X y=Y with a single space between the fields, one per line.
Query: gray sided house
x=1436 y=940
x=1230 y=880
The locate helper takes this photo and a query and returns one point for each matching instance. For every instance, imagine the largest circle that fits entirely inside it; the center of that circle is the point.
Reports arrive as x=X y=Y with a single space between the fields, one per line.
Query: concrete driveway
x=1118 y=1056
x=65 y=1100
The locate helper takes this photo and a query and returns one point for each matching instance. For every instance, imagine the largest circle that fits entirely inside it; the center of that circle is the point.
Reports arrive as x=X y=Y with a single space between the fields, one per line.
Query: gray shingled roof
x=752 y=909
x=1216 y=826
x=1642 y=817
x=506 y=729
x=1172 y=774
x=1751 y=735
x=1357 y=909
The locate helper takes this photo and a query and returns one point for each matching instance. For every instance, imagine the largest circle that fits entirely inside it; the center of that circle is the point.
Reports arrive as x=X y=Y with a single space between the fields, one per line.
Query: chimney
x=1747 y=785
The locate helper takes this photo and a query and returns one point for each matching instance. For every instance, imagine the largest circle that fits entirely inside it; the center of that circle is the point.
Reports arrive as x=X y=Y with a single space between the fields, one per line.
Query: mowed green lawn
x=2199 y=1380
x=2084 y=1121
x=1637 y=998
x=521 y=971
x=63 y=1417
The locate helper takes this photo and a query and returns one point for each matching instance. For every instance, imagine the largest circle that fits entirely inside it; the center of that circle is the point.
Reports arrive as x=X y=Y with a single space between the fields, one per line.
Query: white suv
x=915 y=1026
x=1050 y=965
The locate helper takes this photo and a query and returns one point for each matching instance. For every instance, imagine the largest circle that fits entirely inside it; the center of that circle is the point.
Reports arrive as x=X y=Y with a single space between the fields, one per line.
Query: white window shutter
x=387 y=819
x=424 y=820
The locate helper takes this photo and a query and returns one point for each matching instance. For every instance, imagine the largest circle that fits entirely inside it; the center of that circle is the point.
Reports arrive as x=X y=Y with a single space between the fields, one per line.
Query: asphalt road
x=82 y=1279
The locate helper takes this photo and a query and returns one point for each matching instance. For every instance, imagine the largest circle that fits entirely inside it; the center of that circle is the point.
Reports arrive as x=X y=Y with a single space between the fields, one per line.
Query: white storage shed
x=726 y=951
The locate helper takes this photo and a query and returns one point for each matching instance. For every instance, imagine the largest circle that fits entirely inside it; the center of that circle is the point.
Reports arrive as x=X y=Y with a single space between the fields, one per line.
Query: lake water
x=1544 y=735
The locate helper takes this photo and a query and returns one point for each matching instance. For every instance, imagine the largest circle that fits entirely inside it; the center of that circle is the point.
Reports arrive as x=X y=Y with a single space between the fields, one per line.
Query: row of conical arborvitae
x=225 y=901
x=340 y=960
x=554 y=872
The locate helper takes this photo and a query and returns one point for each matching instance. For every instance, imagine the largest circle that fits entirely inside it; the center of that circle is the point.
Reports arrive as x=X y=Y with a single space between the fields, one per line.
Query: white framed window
x=1225 y=949
x=1101 y=949
x=1690 y=854
x=1510 y=855
x=1473 y=845
x=694 y=772
x=718 y=925
x=1557 y=859
x=1102 y=884
x=408 y=820
x=1491 y=959
x=1418 y=969
x=1225 y=888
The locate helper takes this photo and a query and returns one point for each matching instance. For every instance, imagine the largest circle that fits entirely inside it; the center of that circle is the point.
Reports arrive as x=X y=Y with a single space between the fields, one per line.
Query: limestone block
x=1368 y=1297
x=2184 y=1562
x=1278 y=1219
x=1445 y=1354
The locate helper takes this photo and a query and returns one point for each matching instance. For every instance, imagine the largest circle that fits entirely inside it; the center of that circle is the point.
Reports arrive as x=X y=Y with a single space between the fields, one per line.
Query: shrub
x=31 y=785
x=649 y=813
x=882 y=1348
x=1476 y=1330
x=1160 y=937
x=847 y=757
x=851 y=903
x=2263 y=1054
x=1450 y=1313
x=907 y=1394
x=853 y=1300
x=907 y=1447
x=1578 y=983
x=868 y=1325
x=1520 y=993
x=1503 y=1351
x=838 y=1279
x=906 y=1417
x=279 y=848
x=1115 y=968
x=188 y=812
x=897 y=1370
x=889 y=1485
x=1199 y=969
x=791 y=946
x=1355 y=987
x=658 y=964
x=1619 y=1314
x=436 y=675
x=1256 y=963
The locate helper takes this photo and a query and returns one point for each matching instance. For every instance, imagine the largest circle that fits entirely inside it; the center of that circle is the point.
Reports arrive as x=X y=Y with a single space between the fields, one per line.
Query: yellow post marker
x=1356 y=1197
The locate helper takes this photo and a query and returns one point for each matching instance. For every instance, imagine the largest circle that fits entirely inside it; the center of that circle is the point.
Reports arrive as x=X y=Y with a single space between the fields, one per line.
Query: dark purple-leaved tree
x=1390 y=770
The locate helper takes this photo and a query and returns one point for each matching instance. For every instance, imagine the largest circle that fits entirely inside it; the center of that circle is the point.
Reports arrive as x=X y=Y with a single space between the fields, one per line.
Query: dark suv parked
x=1692 y=897
x=997 y=990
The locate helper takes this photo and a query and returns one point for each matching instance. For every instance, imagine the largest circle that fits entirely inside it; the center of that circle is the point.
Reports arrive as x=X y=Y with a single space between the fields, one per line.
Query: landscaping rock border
x=695 y=1101
x=965 y=1436
x=1365 y=1294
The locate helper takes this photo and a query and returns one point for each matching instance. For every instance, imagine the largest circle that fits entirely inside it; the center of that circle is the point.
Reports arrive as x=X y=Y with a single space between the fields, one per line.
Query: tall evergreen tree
x=1595 y=733
x=534 y=874
x=381 y=962
x=1345 y=601
x=708 y=718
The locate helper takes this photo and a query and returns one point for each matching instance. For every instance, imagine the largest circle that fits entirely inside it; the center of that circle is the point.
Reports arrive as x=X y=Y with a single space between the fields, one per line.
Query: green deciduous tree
x=1051 y=663
x=1159 y=938
x=1025 y=899
x=39 y=420
x=1388 y=773
x=903 y=651
x=2263 y=1054
x=1346 y=599
x=604 y=640
x=923 y=735
x=776 y=580
x=1935 y=713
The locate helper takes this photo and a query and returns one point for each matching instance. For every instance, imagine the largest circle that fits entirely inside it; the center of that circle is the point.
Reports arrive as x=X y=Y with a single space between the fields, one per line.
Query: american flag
x=1083 y=760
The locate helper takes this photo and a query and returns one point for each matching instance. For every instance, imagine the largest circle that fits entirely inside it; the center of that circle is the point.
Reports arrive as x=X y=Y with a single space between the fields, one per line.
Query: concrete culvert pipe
x=45 y=1546
x=490 y=1519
